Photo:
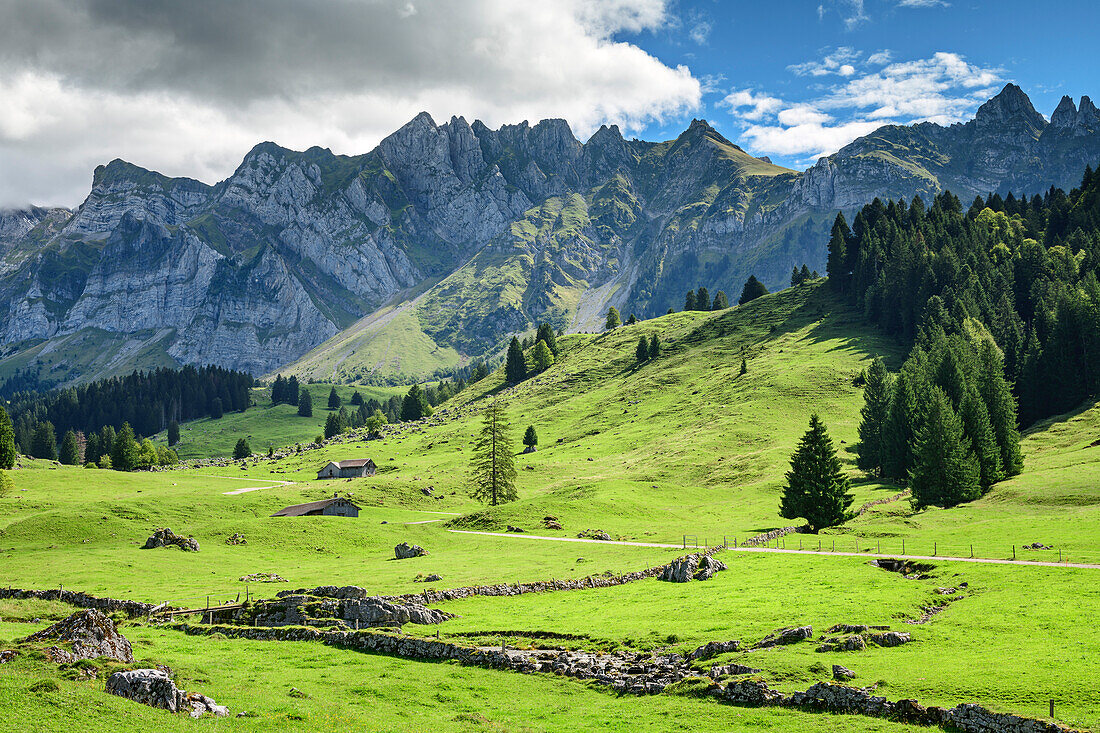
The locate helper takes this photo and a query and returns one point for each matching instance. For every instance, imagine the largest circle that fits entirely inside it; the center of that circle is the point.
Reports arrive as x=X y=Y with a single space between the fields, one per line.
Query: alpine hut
x=354 y=468
x=337 y=506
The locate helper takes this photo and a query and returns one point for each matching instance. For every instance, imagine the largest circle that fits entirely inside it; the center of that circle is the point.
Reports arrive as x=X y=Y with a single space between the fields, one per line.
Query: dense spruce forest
x=1002 y=305
x=147 y=401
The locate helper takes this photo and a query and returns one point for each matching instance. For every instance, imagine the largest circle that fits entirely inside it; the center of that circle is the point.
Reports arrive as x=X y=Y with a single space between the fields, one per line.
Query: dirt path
x=938 y=558
x=247 y=489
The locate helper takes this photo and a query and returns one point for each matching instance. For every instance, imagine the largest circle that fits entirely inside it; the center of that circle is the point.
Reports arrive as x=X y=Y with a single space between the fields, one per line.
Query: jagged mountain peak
x=1011 y=103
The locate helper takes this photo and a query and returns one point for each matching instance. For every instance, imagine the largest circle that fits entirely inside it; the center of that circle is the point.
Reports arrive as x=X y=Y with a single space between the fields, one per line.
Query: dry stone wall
x=81 y=600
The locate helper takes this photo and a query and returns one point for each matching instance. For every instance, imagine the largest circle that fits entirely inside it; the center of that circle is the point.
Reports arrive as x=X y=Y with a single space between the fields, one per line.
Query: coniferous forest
x=148 y=401
x=1001 y=303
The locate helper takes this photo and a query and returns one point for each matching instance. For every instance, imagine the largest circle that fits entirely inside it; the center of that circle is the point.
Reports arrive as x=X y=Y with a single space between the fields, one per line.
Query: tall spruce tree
x=613 y=320
x=871 y=449
x=70 y=449
x=173 y=433
x=44 y=443
x=415 y=405
x=721 y=302
x=689 y=301
x=546 y=335
x=979 y=431
x=530 y=437
x=515 y=365
x=817 y=489
x=125 y=451
x=7 y=441
x=995 y=392
x=902 y=422
x=542 y=356
x=641 y=352
x=945 y=471
x=305 y=404
x=333 y=399
x=702 y=299
x=292 y=392
x=332 y=425
x=836 y=266
x=753 y=289
x=654 y=346
x=493 y=471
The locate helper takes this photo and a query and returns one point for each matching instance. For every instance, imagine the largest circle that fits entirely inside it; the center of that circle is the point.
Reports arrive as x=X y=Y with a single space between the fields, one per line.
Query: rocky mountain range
x=440 y=243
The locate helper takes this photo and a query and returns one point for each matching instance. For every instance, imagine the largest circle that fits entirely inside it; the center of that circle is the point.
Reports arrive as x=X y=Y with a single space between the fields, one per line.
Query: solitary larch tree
x=493 y=474
x=817 y=489
x=613 y=319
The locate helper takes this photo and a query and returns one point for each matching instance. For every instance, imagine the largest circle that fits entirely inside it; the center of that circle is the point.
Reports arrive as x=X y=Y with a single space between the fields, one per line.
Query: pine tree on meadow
x=945 y=471
x=871 y=449
x=493 y=469
x=817 y=488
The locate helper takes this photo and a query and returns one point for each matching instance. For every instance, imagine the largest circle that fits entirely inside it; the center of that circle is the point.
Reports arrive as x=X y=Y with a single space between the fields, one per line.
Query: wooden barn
x=355 y=468
x=337 y=506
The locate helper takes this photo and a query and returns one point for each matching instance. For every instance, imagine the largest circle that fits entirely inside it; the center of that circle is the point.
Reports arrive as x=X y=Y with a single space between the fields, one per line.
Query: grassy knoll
x=267 y=425
x=351 y=691
x=680 y=445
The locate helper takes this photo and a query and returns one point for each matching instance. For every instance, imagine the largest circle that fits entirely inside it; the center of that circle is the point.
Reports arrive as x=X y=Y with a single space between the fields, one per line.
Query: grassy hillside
x=88 y=355
x=683 y=445
x=266 y=425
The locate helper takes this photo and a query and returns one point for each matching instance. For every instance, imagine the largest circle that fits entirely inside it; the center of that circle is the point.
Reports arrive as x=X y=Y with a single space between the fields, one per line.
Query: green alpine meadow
x=561 y=366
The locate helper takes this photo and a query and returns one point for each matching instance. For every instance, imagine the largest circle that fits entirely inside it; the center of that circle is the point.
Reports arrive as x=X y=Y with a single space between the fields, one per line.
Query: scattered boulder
x=513 y=529
x=720 y=669
x=849 y=644
x=8 y=655
x=236 y=539
x=1038 y=546
x=708 y=566
x=890 y=638
x=713 y=649
x=87 y=634
x=166 y=538
x=551 y=523
x=262 y=578
x=907 y=568
x=433 y=577
x=154 y=687
x=595 y=534
x=405 y=551
x=841 y=674
x=788 y=635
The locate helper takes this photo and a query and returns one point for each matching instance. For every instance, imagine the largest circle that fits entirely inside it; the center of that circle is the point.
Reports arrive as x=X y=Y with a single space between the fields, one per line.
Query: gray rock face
x=295 y=246
x=87 y=634
x=405 y=551
x=153 y=687
x=167 y=538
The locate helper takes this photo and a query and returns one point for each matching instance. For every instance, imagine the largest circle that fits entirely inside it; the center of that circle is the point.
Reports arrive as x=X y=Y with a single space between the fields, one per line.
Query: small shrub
x=44 y=686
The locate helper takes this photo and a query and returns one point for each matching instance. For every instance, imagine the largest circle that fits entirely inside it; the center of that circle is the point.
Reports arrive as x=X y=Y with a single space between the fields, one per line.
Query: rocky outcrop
x=165 y=537
x=153 y=687
x=87 y=634
x=404 y=551
x=692 y=567
x=789 y=635
x=307 y=610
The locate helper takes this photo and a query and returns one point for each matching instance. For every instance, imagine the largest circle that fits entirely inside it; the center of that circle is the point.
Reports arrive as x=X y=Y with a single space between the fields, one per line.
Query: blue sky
x=845 y=59
x=187 y=87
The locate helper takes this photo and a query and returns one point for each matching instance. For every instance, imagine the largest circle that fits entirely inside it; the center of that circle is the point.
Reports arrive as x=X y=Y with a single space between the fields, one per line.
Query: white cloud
x=944 y=88
x=758 y=105
x=802 y=114
x=188 y=91
x=836 y=62
x=881 y=58
x=924 y=4
x=809 y=139
x=700 y=31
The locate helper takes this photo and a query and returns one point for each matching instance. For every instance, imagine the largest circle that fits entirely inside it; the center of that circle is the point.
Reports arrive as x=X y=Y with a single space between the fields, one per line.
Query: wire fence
x=897 y=546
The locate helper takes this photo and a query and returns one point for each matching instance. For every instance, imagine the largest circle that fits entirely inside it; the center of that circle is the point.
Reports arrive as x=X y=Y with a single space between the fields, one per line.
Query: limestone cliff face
x=520 y=224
